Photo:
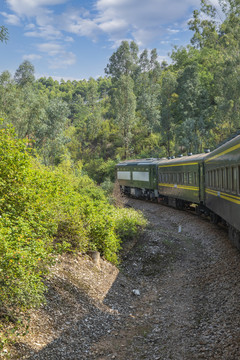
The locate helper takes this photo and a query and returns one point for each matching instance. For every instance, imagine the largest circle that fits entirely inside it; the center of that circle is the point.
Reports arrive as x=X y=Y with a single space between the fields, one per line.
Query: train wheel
x=179 y=204
x=214 y=218
x=234 y=236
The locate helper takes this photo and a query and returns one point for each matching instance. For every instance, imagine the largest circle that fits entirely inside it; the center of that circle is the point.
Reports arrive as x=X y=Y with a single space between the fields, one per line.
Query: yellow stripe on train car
x=176 y=186
x=223 y=152
x=181 y=164
x=225 y=196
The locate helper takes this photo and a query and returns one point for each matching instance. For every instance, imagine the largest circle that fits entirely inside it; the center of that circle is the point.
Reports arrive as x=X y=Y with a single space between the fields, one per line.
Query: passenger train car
x=222 y=186
x=181 y=180
x=139 y=178
x=210 y=182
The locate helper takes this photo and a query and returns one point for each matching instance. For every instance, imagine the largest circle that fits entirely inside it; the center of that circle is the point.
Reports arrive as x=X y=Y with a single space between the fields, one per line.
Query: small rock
x=136 y=292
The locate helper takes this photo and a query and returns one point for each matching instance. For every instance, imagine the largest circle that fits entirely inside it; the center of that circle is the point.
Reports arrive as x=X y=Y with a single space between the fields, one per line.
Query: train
x=208 y=183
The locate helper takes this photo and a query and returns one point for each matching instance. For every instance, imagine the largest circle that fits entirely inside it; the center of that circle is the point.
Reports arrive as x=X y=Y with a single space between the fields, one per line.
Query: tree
x=147 y=89
x=205 y=28
x=25 y=74
x=168 y=104
x=124 y=61
x=125 y=106
x=3 y=34
x=193 y=111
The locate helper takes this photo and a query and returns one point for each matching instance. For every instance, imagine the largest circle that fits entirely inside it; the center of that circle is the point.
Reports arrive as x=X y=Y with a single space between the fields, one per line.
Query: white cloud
x=63 y=60
x=31 y=7
x=57 y=56
x=52 y=49
x=145 y=20
x=141 y=20
x=11 y=19
x=32 y=57
x=173 y=31
x=47 y=32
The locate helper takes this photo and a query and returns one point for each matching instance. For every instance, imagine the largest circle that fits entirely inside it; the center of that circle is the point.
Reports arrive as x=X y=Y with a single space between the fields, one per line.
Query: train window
x=214 y=178
x=217 y=178
x=185 y=178
x=194 y=178
x=190 y=178
x=226 y=178
x=222 y=179
x=234 y=179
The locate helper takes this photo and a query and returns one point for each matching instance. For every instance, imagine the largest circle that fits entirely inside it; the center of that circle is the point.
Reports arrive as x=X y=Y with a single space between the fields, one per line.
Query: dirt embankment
x=176 y=296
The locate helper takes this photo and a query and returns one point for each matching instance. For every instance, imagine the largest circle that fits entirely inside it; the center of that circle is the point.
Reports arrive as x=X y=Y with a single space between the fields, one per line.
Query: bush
x=100 y=170
x=44 y=212
x=128 y=223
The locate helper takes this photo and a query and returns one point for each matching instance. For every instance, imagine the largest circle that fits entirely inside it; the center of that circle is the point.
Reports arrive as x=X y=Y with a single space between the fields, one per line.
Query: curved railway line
x=210 y=182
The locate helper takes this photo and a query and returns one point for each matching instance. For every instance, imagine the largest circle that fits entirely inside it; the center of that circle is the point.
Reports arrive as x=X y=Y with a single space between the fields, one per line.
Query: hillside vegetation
x=141 y=108
x=45 y=212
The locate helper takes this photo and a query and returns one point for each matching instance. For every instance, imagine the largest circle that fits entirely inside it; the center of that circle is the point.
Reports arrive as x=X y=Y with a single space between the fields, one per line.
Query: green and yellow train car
x=222 y=190
x=181 y=180
x=138 y=177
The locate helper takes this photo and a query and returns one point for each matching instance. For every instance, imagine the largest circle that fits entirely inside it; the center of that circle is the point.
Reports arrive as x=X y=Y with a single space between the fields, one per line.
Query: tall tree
x=25 y=74
x=193 y=109
x=125 y=106
x=168 y=99
x=124 y=61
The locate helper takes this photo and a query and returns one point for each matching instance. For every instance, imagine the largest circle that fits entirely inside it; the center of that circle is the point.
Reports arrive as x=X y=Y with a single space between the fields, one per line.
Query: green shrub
x=45 y=211
x=99 y=170
x=128 y=223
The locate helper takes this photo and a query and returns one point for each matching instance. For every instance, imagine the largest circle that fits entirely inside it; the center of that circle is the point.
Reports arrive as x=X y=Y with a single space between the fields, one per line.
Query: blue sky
x=73 y=39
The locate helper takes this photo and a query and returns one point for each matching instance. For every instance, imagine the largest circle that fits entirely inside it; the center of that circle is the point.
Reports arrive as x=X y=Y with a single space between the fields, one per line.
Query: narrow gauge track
x=189 y=209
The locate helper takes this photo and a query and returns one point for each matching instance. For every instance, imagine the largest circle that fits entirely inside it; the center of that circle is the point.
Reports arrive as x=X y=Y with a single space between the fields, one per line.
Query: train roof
x=139 y=162
x=225 y=148
x=185 y=159
x=164 y=161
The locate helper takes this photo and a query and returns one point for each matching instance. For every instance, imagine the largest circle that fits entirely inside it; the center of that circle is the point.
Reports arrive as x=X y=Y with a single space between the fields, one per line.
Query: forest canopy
x=141 y=108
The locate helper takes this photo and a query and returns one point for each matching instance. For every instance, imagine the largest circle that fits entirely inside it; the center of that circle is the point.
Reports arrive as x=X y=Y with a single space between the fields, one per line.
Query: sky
x=74 y=39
